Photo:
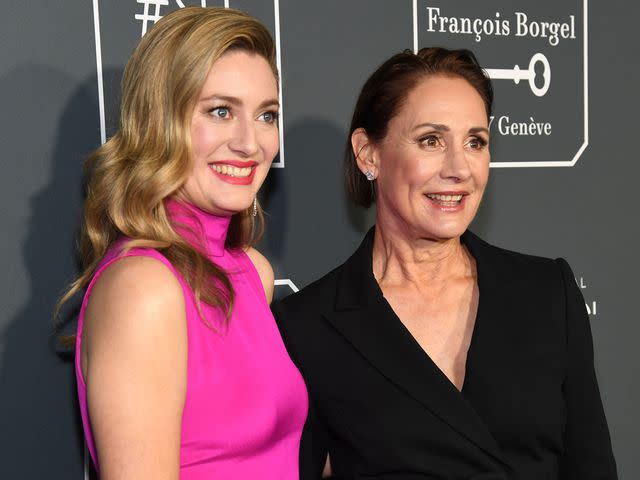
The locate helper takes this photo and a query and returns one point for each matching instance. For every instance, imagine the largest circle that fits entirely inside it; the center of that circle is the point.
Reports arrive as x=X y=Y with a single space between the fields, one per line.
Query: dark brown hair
x=385 y=92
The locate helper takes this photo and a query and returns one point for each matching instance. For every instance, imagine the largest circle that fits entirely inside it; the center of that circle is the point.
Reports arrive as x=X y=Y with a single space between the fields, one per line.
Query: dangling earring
x=254 y=210
x=370 y=175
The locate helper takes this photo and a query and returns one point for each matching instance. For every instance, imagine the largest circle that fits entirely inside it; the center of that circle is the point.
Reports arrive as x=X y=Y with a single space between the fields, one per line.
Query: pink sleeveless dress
x=246 y=402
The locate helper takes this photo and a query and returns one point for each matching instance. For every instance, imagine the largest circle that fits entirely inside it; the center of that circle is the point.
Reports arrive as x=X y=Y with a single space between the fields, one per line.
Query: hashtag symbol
x=145 y=18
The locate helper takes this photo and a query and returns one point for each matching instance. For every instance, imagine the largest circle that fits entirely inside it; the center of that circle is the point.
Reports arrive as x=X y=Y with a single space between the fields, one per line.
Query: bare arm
x=134 y=362
x=264 y=270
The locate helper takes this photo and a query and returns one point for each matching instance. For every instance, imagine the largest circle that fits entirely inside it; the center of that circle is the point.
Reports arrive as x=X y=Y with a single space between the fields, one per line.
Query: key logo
x=536 y=56
x=118 y=27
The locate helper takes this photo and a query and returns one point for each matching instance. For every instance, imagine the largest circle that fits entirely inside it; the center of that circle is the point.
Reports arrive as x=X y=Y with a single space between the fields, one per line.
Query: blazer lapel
x=366 y=320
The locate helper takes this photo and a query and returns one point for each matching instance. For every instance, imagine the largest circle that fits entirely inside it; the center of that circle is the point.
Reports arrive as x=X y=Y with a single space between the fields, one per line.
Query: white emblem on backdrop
x=286 y=282
x=516 y=74
x=591 y=304
x=526 y=138
x=152 y=11
x=145 y=17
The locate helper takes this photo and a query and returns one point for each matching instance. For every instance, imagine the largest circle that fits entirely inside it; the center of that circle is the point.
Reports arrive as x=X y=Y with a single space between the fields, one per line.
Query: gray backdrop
x=566 y=188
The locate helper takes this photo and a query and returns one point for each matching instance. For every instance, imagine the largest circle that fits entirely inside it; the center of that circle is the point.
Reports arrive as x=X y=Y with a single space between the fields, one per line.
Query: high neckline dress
x=246 y=402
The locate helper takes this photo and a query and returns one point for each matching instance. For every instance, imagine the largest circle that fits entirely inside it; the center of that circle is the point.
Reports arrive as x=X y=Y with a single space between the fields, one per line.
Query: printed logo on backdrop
x=283 y=288
x=536 y=55
x=119 y=25
x=590 y=303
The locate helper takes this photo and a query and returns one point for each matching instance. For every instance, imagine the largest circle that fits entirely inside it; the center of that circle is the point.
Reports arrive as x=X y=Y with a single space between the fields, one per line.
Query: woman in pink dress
x=181 y=370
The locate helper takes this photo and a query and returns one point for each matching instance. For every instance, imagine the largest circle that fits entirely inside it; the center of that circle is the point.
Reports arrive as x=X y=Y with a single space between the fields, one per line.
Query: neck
x=401 y=256
x=202 y=229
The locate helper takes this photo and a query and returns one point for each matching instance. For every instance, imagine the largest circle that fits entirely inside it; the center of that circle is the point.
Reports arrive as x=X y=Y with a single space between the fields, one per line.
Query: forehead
x=442 y=99
x=241 y=73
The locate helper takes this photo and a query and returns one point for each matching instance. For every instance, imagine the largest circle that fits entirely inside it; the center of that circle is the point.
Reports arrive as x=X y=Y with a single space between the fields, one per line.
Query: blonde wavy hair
x=149 y=158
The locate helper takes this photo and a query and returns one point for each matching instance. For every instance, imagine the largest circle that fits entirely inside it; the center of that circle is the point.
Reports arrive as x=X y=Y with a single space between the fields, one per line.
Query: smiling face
x=234 y=134
x=433 y=164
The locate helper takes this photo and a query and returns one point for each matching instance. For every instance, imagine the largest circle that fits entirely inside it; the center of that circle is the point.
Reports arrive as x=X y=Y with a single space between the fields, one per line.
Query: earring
x=254 y=210
x=370 y=175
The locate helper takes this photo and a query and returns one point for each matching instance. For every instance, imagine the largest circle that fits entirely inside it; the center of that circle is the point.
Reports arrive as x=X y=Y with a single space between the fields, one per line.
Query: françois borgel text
x=520 y=25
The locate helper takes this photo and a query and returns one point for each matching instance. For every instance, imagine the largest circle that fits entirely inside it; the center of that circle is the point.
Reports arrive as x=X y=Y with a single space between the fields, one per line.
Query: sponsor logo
x=591 y=304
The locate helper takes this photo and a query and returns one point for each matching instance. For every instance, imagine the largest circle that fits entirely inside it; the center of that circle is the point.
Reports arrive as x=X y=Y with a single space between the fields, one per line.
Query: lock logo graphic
x=537 y=57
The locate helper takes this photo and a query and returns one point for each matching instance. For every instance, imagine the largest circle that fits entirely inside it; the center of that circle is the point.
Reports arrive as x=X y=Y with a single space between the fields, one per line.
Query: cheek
x=397 y=176
x=428 y=168
x=198 y=138
x=271 y=144
x=481 y=173
x=480 y=179
x=203 y=139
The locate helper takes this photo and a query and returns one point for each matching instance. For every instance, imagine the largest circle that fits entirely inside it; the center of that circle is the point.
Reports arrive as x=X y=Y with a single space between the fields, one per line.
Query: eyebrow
x=436 y=126
x=479 y=130
x=271 y=102
x=440 y=127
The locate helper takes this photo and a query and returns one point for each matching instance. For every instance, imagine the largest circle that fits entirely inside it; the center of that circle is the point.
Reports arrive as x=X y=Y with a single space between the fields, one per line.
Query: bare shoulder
x=134 y=348
x=138 y=285
x=138 y=274
x=136 y=302
x=264 y=270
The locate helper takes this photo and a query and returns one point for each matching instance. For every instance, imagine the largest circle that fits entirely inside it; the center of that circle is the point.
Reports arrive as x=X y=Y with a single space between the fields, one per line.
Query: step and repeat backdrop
x=565 y=168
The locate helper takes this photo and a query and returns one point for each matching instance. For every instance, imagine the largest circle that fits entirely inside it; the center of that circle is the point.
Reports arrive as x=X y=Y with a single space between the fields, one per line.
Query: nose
x=244 y=138
x=455 y=165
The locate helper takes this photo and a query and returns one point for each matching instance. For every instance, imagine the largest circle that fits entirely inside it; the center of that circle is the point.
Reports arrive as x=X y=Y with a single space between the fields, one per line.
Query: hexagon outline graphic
x=287 y=283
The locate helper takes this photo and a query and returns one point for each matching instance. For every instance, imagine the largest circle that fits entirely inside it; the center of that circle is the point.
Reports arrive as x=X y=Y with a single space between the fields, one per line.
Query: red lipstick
x=227 y=178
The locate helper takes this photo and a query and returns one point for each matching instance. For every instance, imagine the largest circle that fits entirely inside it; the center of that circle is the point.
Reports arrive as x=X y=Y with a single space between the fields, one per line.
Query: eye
x=220 y=112
x=269 y=117
x=477 y=143
x=430 y=141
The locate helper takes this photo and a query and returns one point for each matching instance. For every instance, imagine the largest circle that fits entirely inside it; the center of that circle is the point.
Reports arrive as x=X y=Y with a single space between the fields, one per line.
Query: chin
x=232 y=210
x=232 y=201
x=445 y=232
x=223 y=208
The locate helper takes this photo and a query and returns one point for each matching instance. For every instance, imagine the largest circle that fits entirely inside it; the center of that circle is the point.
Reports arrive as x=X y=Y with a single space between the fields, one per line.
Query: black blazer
x=529 y=409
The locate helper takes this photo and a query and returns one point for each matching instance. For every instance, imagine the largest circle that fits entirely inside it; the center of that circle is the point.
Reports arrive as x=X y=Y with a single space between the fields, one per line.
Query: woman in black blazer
x=430 y=354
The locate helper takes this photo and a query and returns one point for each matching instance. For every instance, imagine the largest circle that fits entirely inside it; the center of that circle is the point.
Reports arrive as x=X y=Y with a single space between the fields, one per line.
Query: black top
x=529 y=409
